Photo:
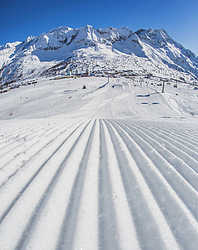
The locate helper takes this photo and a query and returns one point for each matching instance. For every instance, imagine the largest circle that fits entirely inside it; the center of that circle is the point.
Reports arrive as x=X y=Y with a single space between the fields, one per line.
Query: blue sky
x=20 y=19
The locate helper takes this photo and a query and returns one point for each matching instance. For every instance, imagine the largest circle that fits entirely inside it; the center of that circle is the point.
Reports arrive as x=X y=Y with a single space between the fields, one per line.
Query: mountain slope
x=103 y=50
x=112 y=166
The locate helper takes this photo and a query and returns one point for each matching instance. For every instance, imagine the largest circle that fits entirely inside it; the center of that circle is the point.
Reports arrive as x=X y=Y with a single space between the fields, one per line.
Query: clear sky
x=22 y=18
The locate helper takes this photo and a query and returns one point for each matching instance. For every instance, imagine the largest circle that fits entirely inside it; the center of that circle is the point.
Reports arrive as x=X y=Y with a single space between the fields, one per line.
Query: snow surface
x=112 y=166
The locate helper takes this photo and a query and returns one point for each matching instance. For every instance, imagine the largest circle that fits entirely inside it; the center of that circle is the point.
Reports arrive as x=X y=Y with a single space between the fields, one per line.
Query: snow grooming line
x=33 y=176
x=67 y=232
x=38 y=209
x=154 y=179
x=143 y=207
x=141 y=199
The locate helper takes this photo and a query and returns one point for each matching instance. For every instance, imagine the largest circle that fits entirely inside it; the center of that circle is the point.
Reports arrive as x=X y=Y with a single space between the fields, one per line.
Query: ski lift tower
x=163 y=84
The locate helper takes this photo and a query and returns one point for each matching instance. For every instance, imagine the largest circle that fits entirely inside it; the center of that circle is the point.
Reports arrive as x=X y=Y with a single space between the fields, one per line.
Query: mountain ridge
x=104 y=50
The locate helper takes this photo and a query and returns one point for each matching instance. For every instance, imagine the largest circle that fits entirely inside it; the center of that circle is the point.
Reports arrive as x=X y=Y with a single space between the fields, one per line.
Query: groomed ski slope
x=112 y=166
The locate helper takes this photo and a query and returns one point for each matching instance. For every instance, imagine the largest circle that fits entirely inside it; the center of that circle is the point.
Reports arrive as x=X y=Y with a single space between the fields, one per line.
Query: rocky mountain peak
x=147 y=49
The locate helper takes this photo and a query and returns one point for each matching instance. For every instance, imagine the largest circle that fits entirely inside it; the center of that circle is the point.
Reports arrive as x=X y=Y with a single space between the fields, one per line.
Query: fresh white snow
x=112 y=166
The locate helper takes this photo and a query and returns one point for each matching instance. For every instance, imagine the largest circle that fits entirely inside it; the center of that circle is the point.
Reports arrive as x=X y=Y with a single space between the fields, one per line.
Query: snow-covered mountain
x=106 y=50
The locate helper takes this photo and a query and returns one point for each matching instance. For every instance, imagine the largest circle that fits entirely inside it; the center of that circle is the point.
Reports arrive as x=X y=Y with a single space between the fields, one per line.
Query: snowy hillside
x=103 y=51
x=91 y=163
